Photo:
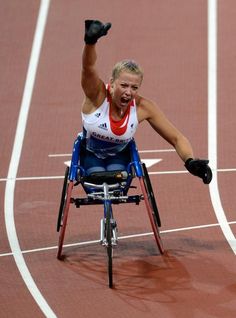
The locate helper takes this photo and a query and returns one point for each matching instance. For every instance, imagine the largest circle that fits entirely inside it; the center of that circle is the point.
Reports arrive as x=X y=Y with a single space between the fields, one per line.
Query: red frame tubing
x=64 y=220
x=150 y=214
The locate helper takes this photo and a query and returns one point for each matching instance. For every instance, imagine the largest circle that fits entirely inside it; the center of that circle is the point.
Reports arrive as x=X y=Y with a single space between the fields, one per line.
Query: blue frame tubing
x=76 y=152
x=135 y=163
x=74 y=166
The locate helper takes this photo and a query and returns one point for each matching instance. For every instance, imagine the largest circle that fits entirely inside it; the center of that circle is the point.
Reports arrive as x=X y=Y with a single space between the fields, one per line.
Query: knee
x=95 y=169
x=116 y=166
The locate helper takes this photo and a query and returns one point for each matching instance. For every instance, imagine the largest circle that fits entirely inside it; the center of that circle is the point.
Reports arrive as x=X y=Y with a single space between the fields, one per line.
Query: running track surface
x=196 y=276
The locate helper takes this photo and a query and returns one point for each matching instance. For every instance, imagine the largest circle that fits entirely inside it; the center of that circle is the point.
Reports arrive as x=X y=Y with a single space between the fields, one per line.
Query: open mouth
x=124 y=101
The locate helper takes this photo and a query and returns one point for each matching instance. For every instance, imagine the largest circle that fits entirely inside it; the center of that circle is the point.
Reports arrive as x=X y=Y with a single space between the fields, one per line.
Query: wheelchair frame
x=107 y=188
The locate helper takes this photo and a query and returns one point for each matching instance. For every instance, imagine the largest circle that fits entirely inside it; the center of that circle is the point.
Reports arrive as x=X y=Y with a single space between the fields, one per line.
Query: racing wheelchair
x=106 y=188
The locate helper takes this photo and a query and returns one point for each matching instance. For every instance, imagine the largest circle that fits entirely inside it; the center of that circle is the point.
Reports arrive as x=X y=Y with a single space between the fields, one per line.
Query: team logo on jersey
x=97 y=115
x=103 y=126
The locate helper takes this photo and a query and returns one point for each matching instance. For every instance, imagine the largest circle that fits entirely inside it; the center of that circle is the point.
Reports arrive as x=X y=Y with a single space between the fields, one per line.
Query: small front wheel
x=108 y=234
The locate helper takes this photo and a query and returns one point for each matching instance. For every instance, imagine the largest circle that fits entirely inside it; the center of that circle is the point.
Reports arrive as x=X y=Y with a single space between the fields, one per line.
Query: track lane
x=145 y=283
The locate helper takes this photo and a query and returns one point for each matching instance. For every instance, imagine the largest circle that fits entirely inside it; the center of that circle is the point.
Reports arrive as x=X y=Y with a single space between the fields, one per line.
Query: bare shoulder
x=150 y=111
x=146 y=108
x=93 y=101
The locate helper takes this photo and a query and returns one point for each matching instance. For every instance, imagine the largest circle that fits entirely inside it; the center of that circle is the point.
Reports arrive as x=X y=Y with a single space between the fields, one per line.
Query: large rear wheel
x=63 y=198
x=151 y=206
x=63 y=215
x=151 y=197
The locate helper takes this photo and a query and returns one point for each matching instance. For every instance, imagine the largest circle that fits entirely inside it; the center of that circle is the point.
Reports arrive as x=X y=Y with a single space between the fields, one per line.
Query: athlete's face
x=125 y=88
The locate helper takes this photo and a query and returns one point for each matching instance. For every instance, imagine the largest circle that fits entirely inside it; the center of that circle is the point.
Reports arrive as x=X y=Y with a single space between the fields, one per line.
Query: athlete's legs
x=119 y=161
x=91 y=163
x=116 y=166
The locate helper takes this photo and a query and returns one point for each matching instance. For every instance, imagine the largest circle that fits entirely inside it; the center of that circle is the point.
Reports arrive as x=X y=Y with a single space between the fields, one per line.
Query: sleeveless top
x=105 y=136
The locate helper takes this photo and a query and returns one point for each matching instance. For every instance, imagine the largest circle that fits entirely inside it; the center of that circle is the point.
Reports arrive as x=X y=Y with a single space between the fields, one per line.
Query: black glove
x=94 y=29
x=199 y=168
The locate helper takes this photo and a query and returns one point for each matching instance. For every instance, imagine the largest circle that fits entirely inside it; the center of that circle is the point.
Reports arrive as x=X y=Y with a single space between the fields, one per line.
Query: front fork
x=114 y=238
x=107 y=202
x=103 y=239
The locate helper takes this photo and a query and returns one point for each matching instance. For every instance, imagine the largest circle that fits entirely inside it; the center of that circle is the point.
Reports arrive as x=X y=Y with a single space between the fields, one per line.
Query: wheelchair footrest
x=89 y=201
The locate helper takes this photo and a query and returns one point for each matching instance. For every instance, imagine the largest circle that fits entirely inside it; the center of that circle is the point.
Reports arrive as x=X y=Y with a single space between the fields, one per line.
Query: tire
x=109 y=243
x=63 y=197
x=65 y=212
x=150 y=206
x=151 y=197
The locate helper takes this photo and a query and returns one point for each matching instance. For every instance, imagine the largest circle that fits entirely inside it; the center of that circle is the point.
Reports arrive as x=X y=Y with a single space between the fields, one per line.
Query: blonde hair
x=128 y=66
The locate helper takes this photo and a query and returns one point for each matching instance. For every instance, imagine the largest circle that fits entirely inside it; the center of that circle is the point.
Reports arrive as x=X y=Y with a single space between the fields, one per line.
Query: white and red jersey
x=105 y=136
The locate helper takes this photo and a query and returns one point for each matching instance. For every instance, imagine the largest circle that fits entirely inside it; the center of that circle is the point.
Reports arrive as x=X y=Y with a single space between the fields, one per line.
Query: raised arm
x=92 y=85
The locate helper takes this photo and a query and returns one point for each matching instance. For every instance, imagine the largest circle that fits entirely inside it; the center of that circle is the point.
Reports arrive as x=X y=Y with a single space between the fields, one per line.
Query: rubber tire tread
x=151 y=216
x=65 y=217
x=151 y=195
x=63 y=196
x=109 y=244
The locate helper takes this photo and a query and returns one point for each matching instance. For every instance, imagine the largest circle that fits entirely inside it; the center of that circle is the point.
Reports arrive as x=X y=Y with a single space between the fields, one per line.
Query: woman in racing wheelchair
x=111 y=113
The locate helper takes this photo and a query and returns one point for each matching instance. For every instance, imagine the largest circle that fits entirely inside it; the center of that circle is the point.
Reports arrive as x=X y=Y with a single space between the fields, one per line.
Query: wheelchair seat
x=109 y=177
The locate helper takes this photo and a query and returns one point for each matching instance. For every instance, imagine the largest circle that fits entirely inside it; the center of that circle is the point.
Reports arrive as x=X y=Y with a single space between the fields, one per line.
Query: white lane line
x=212 y=123
x=148 y=162
x=15 y=159
x=140 y=151
x=157 y=150
x=190 y=228
x=32 y=178
x=59 y=155
x=150 y=172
